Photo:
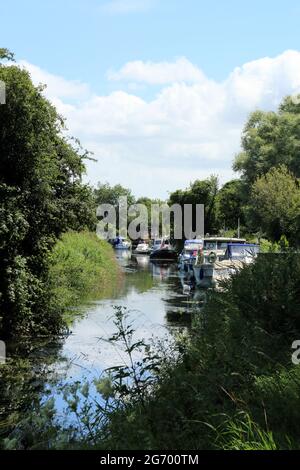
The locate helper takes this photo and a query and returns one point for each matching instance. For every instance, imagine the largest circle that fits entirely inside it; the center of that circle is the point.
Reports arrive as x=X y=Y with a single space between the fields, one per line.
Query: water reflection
x=154 y=296
x=157 y=301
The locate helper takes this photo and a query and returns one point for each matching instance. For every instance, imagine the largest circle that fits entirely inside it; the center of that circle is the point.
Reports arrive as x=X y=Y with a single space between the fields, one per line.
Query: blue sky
x=91 y=41
x=81 y=39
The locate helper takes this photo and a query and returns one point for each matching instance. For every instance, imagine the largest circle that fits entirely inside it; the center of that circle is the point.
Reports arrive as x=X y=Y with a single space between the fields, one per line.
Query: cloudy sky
x=159 y=90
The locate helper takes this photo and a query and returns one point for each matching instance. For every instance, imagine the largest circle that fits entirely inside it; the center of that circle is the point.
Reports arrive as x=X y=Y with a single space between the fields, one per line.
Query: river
x=157 y=306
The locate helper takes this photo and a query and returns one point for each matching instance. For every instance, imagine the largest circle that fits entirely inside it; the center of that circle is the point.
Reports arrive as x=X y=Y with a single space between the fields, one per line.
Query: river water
x=157 y=304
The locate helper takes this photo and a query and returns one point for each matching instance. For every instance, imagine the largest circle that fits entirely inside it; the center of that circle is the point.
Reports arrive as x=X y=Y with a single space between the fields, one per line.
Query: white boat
x=188 y=256
x=121 y=243
x=215 y=247
x=209 y=271
x=142 y=248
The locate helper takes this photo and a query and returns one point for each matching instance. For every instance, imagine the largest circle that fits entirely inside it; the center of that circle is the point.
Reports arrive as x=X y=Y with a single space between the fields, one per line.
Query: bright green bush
x=82 y=268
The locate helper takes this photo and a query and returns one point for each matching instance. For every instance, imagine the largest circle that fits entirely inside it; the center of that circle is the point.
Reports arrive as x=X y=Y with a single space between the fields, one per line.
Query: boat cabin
x=241 y=251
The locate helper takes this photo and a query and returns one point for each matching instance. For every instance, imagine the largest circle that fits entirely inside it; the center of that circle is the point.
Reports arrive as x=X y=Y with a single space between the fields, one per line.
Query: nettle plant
x=135 y=378
x=119 y=387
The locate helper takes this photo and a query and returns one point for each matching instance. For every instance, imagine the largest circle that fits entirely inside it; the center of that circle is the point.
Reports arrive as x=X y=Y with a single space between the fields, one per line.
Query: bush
x=82 y=268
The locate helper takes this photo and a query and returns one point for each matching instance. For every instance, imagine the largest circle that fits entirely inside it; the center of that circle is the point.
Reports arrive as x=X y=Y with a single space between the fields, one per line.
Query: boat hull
x=167 y=256
x=204 y=275
x=208 y=275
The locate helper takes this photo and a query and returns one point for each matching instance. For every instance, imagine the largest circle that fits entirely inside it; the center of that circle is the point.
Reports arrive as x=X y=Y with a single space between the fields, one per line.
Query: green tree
x=271 y=139
x=148 y=203
x=6 y=54
x=41 y=196
x=107 y=194
x=230 y=201
x=200 y=192
x=275 y=202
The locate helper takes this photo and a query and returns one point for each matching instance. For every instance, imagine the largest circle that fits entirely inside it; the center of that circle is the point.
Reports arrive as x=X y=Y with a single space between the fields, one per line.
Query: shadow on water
x=154 y=297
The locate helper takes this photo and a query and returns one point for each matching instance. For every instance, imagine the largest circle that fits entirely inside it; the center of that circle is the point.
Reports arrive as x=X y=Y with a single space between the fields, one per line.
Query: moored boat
x=121 y=243
x=142 y=248
x=209 y=272
x=188 y=256
x=166 y=255
x=162 y=251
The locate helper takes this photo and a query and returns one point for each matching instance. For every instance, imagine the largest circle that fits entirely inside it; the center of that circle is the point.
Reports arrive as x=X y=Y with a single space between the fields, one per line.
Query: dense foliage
x=269 y=140
x=275 y=204
x=41 y=196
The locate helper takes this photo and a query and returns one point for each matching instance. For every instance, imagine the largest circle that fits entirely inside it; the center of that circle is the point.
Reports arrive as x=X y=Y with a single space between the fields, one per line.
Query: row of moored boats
x=202 y=262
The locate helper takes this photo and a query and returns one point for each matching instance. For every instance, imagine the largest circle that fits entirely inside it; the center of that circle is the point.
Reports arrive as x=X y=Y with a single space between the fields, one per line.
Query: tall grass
x=242 y=433
x=83 y=268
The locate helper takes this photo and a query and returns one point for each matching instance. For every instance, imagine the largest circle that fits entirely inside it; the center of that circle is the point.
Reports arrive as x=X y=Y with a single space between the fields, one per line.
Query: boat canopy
x=220 y=243
x=242 y=250
x=194 y=242
x=225 y=239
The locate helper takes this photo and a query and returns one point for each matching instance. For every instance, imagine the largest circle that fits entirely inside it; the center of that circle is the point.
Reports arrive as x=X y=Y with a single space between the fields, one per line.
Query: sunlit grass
x=83 y=268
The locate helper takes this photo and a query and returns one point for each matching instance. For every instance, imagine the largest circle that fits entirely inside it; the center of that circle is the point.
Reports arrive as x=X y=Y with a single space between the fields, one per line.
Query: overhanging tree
x=41 y=195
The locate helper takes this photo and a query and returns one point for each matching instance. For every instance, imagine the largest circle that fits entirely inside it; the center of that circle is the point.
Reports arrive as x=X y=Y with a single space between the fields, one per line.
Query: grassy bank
x=83 y=268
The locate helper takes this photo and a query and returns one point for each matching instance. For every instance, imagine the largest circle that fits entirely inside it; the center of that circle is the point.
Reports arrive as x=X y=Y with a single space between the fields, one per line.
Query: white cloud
x=188 y=131
x=159 y=73
x=57 y=87
x=127 y=6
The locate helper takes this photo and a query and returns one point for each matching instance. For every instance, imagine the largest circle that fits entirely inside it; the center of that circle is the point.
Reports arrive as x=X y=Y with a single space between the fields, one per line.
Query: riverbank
x=83 y=268
x=235 y=385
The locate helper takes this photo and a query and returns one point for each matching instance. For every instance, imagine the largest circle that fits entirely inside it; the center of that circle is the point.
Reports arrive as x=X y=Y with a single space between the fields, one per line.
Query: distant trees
x=107 y=194
x=41 y=196
x=230 y=205
x=200 y=192
x=265 y=198
x=275 y=202
x=270 y=167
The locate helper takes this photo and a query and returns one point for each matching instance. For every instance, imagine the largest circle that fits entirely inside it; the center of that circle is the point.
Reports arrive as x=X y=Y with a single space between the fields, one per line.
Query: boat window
x=222 y=245
x=244 y=251
x=209 y=245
